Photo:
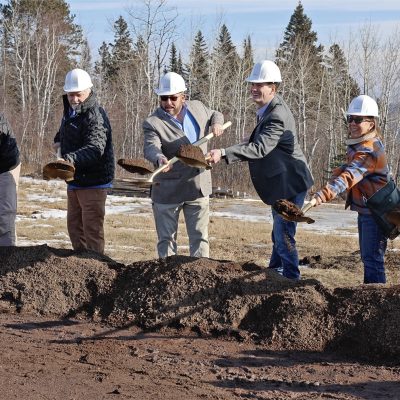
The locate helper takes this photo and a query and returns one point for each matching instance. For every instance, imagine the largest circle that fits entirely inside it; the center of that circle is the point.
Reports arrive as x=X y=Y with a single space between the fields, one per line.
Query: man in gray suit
x=277 y=165
x=181 y=187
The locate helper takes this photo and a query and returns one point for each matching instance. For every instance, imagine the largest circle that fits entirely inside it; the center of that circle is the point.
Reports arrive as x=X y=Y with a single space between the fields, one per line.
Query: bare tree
x=154 y=24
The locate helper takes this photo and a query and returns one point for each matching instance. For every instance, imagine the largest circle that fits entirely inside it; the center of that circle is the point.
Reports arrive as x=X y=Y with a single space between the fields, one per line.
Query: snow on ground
x=329 y=218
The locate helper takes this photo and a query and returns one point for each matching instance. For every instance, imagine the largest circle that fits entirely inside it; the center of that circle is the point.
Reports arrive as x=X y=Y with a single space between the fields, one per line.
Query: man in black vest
x=84 y=139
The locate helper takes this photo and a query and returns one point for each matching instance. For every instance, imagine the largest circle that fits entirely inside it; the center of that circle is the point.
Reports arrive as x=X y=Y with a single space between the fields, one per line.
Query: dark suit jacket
x=162 y=136
x=277 y=165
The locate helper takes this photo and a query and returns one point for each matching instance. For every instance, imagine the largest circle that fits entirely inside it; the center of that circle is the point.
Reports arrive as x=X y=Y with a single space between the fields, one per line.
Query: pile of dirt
x=207 y=296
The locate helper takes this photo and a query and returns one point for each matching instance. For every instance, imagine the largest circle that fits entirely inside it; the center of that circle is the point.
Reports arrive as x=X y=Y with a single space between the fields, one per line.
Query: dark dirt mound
x=207 y=296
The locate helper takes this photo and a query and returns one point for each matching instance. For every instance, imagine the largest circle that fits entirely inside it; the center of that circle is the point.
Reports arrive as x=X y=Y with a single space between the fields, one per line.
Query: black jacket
x=86 y=141
x=9 y=153
x=278 y=167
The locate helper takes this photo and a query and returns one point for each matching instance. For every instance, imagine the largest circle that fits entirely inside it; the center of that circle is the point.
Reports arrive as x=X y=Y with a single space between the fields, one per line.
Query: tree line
x=40 y=42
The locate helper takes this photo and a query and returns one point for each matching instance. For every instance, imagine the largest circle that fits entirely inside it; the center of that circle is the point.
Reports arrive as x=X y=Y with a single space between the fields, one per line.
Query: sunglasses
x=172 y=98
x=356 y=120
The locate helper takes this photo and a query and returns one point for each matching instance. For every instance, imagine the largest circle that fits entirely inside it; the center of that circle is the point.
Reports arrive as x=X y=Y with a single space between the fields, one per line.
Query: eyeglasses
x=172 y=98
x=356 y=120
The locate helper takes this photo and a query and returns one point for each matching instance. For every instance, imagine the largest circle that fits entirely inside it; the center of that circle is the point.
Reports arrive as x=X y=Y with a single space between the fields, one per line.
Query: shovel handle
x=311 y=204
x=211 y=135
x=173 y=160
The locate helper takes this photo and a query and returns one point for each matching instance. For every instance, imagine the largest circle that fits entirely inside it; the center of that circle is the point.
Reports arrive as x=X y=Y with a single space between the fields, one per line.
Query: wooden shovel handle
x=308 y=206
x=211 y=135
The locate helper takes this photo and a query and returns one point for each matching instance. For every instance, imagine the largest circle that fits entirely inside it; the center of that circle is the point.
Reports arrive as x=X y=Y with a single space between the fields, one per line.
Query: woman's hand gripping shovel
x=186 y=154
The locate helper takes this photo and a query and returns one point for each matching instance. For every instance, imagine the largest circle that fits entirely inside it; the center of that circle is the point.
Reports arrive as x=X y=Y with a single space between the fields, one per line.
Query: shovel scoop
x=146 y=183
x=59 y=169
x=192 y=156
x=136 y=165
x=289 y=211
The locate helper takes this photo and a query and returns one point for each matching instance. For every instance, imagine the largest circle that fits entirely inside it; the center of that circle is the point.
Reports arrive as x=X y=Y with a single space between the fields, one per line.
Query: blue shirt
x=189 y=125
x=104 y=186
x=261 y=111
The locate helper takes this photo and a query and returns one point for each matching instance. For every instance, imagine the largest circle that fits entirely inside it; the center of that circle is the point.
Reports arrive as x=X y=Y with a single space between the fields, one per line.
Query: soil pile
x=207 y=296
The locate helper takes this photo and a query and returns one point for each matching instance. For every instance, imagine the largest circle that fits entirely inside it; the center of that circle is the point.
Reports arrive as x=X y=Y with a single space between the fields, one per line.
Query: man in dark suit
x=277 y=164
x=181 y=188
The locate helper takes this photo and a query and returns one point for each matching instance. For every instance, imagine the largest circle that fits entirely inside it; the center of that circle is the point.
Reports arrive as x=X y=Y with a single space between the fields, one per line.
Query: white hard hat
x=171 y=83
x=363 y=105
x=265 y=71
x=77 y=80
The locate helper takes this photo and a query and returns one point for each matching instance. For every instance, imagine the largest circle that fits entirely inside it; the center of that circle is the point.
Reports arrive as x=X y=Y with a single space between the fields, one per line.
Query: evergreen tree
x=104 y=66
x=225 y=64
x=248 y=58
x=121 y=49
x=85 y=61
x=225 y=47
x=340 y=88
x=197 y=69
x=173 y=60
x=180 y=67
x=300 y=61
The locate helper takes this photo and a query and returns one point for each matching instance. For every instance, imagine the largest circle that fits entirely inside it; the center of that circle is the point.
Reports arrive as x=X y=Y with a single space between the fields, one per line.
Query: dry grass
x=132 y=237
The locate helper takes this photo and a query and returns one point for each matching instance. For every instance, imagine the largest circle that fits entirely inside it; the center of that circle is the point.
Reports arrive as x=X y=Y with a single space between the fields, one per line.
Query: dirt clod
x=192 y=155
x=287 y=207
x=136 y=165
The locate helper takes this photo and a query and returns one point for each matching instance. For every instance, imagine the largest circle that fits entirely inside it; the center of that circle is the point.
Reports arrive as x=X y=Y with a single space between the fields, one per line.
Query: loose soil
x=192 y=155
x=76 y=326
x=136 y=165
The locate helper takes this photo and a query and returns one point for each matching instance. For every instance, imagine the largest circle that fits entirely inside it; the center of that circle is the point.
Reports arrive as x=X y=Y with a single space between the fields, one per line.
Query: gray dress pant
x=196 y=215
x=8 y=206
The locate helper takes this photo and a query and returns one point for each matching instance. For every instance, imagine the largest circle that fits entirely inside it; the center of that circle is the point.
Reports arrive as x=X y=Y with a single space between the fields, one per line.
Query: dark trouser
x=85 y=218
x=284 y=257
x=372 y=248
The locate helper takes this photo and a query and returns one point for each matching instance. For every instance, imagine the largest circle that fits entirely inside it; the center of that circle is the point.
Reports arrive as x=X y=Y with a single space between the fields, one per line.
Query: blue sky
x=264 y=20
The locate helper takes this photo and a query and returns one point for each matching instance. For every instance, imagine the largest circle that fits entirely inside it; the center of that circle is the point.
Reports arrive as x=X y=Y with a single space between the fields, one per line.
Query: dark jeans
x=284 y=257
x=372 y=248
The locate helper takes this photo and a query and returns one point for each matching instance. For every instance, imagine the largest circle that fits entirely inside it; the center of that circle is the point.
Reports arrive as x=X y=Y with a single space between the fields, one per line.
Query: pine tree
x=173 y=60
x=300 y=61
x=225 y=47
x=225 y=63
x=197 y=69
x=121 y=49
x=85 y=61
x=104 y=66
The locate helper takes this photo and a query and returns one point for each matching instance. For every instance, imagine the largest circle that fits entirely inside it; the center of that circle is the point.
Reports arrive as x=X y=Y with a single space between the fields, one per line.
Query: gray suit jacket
x=161 y=136
x=278 y=168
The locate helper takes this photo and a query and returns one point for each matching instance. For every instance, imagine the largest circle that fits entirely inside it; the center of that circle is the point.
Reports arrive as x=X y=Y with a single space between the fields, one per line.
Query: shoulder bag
x=383 y=202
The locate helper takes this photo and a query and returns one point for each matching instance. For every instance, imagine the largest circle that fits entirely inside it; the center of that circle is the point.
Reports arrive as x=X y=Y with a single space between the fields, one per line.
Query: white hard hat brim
x=260 y=81
x=160 y=92
x=76 y=89
x=361 y=114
